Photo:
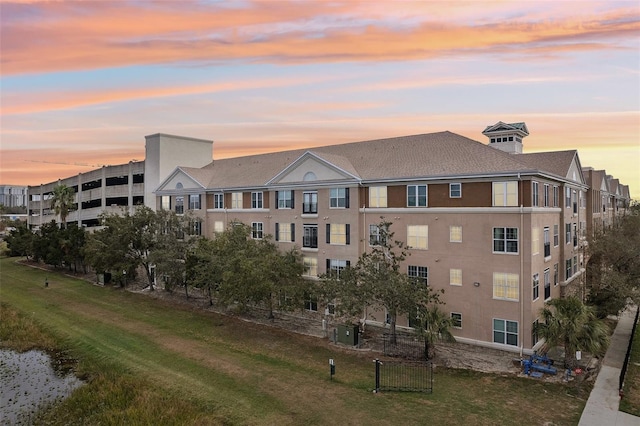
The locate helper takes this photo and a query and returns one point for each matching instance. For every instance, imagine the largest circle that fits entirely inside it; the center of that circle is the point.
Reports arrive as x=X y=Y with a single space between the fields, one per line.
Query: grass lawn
x=148 y=362
x=630 y=403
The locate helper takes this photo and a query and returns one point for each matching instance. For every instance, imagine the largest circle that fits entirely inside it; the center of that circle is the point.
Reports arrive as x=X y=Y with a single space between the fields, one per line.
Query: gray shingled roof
x=426 y=155
x=554 y=162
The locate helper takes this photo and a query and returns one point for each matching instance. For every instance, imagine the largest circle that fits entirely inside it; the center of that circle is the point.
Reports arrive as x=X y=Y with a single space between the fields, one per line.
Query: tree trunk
x=393 y=329
x=209 y=291
x=186 y=290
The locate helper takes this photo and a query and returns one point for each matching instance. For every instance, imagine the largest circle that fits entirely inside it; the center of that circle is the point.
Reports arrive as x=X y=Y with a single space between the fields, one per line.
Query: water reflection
x=28 y=383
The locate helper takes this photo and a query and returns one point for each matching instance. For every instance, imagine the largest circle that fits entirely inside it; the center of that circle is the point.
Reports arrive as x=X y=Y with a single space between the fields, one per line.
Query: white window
x=456 y=319
x=535 y=240
x=284 y=199
x=417 y=195
x=455 y=276
x=218 y=201
x=534 y=193
x=455 y=190
x=505 y=240
x=165 y=202
x=567 y=201
x=284 y=232
x=547 y=284
x=455 y=234
x=419 y=272
x=505 y=194
x=536 y=286
x=556 y=275
x=546 y=195
x=336 y=266
x=337 y=234
x=194 y=202
x=418 y=236
x=339 y=198
x=310 y=236
x=375 y=237
x=256 y=200
x=256 y=230
x=236 y=200
x=505 y=332
x=310 y=267
x=195 y=227
x=506 y=286
x=556 y=235
x=567 y=229
x=547 y=242
x=218 y=226
x=556 y=196
x=378 y=196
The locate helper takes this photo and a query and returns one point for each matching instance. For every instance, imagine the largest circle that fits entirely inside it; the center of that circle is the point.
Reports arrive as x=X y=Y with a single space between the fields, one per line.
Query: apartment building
x=13 y=195
x=118 y=188
x=499 y=230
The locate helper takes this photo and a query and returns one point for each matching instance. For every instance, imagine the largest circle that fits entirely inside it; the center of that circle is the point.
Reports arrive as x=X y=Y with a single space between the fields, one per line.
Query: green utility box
x=348 y=334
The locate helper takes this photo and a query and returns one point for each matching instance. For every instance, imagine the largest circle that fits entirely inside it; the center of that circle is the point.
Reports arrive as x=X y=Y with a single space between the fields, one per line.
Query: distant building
x=13 y=195
x=111 y=189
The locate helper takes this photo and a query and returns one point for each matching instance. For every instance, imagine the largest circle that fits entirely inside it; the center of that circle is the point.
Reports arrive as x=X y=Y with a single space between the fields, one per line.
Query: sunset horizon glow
x=83 y=83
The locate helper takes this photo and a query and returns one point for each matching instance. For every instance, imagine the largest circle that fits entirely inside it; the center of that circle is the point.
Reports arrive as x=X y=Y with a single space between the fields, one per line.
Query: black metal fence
x=623 y=372
x=404 y=376
x=407 y=347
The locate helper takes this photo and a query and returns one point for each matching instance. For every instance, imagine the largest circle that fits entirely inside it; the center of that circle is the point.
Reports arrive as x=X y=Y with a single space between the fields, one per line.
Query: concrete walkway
x=603 y=402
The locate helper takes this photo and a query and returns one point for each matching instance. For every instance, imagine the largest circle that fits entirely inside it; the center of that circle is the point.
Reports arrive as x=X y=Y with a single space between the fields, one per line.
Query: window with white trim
x=455 y=277
x=545 y=195
x=339 y=198
x=218 y=226
x=567 y=201
x=416 y=195
x=285 y=232
x=547 y=242
x=256 y=230
x=236 y=200
x=179 y=205
x=556 y=274
x=165 y=202
x=256 y=200
x=336 y=266
x=547 y=284
x=194 y=202
x=556 y=196
x=338 y=233
x=505 y=240
x=311 y=303
x=195 y=227
x=375 y=236
x=420 y=273
x=284 y=199
x=218 y=201
x=455 y=190
x=567 y=231
x=418 y=236
x=456 y=319
x=310 y=266
x=534 y=193
x=568 y=269
x=556 y=235
x=377 y=196
x=505 y=332
x=536 y=286
x=535 y=240
x=455 y=234
x=506 y=286
x=505 y=194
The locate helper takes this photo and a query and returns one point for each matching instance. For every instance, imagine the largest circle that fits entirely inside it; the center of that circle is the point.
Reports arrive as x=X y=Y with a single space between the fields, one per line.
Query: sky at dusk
x=83 y=82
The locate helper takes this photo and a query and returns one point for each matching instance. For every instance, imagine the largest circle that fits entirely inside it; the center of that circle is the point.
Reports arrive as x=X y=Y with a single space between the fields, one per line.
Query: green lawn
x=148 y=362
x=630 y=403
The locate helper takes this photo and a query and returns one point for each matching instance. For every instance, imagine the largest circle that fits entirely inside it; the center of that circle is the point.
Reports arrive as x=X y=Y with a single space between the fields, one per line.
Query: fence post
x=377 y=375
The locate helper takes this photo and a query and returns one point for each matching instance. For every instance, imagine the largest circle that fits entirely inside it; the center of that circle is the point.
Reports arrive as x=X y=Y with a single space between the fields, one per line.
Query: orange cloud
x=112 y=34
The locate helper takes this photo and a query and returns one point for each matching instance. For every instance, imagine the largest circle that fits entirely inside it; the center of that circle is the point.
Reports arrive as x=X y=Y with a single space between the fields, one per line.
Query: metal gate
x=404 y=376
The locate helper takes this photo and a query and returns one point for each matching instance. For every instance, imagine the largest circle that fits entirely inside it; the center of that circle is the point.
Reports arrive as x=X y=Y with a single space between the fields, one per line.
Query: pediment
x=575 y=171
x=603 y=186
x=179 y=181
x=312 y=166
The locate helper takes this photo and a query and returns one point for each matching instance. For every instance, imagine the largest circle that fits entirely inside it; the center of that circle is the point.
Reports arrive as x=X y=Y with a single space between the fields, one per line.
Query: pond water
x=29 y=383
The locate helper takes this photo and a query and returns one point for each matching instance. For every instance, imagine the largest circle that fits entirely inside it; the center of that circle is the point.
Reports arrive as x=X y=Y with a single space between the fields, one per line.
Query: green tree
x=434 y=325
x=377 y=280
x=20 y=241
x=570 y=323
x=62 y=202
x=204 y=267
x=613 y=268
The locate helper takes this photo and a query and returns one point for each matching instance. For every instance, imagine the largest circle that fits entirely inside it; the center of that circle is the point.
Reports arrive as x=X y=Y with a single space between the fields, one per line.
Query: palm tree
x=574 y=325
x=62 y=202
x=437 y=328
